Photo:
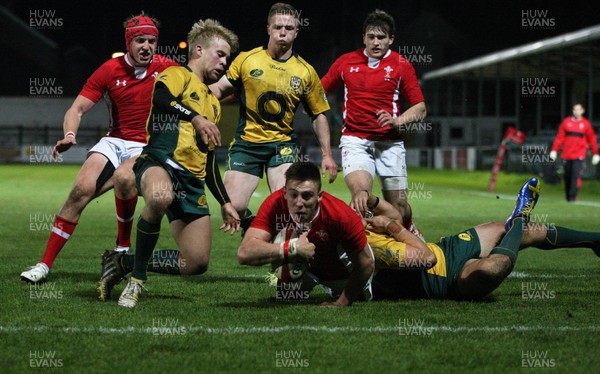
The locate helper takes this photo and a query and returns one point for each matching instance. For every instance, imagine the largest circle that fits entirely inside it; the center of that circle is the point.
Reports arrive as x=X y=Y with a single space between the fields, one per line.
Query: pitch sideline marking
x=282 y=329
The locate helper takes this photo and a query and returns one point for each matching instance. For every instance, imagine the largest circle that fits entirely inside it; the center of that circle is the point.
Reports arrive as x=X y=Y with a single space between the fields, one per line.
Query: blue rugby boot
x=526 y=200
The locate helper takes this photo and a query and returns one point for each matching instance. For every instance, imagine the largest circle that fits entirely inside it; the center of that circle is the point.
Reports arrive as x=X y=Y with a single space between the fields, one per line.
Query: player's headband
x=138 y=26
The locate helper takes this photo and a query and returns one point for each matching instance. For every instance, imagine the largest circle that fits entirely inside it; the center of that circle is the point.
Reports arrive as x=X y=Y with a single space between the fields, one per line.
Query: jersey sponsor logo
x=163 y=77
x=121 y=83
x=388 y=70
x=272 y=66
x=465 y=236
x=175 y=105
x=239 y=163
x=255 y=73
x=194 y=96
x=354 y=69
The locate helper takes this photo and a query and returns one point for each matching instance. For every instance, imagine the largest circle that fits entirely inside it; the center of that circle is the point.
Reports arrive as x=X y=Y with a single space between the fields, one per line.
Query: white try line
x=514 y=274
x=519 y=274
x=285 y=329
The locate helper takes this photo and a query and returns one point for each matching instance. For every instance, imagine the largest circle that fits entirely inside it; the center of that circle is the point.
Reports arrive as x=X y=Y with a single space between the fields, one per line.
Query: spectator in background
x=574 y=135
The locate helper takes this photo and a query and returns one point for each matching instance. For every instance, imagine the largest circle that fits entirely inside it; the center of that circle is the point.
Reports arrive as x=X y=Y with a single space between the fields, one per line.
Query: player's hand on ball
x=63 y=145
x=304 y=248
x=231 y=219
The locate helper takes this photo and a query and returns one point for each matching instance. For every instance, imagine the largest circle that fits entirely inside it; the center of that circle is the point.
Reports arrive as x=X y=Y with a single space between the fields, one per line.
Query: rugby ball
x=288 y=271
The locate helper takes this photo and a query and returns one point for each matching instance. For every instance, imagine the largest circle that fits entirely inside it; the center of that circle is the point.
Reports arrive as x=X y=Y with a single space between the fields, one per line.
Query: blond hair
x=204 y=31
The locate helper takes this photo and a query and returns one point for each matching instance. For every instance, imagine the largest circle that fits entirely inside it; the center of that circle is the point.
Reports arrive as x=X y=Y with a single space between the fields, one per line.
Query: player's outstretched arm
x=417 y=256
x=364 y=266
x=380 y=207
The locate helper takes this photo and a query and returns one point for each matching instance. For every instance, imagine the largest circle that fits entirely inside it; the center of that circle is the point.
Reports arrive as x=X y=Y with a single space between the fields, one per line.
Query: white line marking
x=519 y=274
x=282 y=329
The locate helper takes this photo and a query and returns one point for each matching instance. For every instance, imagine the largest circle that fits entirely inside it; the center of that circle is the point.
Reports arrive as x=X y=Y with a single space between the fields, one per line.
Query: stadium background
x=543 y=316
x=53 y=48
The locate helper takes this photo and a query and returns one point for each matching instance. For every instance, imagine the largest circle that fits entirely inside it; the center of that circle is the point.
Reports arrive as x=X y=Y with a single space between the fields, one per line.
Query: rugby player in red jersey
x=374 y=79
x=126 y=82
x=331 y=237
x=574 y=135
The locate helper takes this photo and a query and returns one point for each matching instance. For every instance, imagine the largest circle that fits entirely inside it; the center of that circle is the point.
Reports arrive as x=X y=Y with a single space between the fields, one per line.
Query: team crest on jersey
x=388 y=71
x=285 y=151
x=323 y=235
x=295 y=82
x=255 y=73
x=194 y=96
x=202 y=201
x=465 y=236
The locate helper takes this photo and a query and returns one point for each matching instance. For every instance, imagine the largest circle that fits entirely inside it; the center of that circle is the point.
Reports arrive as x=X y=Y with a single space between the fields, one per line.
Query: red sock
x=125 y=213
x=61 y=232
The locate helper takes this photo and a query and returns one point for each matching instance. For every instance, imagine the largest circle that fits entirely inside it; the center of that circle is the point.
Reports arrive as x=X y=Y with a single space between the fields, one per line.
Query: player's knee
x=158 y=201
x=200 y=266
x=124 y=178
x=496 y=269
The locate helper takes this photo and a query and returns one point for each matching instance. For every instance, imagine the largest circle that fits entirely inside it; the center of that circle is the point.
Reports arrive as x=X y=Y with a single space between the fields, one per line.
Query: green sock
x=509 y=245
x=165 y=261
x=147 y=236
x=562 y=237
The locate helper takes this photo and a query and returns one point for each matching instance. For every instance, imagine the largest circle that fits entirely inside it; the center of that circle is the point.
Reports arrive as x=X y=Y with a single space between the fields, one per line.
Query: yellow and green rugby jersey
x=169 y=136
x=393 y=281
x=270 y=91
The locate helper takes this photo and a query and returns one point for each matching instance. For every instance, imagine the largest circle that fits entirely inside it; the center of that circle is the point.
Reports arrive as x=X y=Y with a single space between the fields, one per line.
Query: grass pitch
x=227 y=320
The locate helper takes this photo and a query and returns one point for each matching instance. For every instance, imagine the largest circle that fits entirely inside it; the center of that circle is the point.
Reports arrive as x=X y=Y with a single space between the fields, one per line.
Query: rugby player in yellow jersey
x=469 y=265
x=179 y=159
x=271 y=82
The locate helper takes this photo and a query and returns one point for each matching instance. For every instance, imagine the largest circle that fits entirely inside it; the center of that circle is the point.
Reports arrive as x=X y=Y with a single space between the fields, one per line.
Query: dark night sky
x=450 y=30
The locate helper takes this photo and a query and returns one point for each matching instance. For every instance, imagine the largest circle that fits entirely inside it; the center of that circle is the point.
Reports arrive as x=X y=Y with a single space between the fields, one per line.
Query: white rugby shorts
x=117 y=150
x=387 y=158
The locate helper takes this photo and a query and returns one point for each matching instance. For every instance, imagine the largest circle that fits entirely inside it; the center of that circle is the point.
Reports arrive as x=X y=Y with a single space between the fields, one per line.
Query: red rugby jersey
x=336 y=228
x=369 y=85
x=574 y=137
x=128 y=92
